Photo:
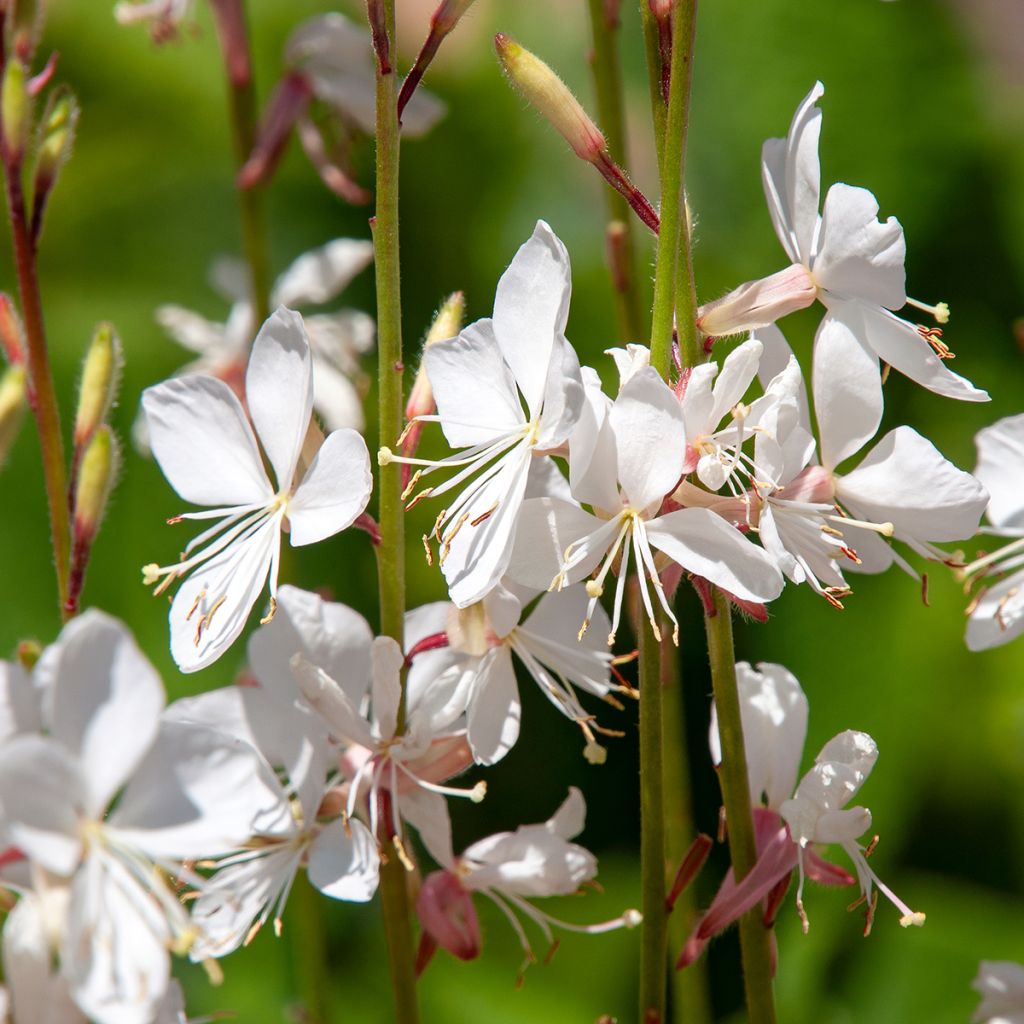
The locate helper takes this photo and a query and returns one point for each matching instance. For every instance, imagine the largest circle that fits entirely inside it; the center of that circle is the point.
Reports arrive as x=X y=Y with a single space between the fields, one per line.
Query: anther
x=266 y=618
x=385 y=456
x=940 y=311
x=594 y=589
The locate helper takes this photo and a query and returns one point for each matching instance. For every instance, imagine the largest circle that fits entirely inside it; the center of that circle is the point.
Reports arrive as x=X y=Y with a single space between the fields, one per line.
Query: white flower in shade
x=165 y=16
x=395 y=775
x=511 y=869
x=209 y=453
x=1000 y=983
x=624 y=458
x=482 y=640
x=848 y=259
x=177 y=793
x=773 y=711
x=481 y=381
x=336 y=339
x=997 y=609
x=336 y=57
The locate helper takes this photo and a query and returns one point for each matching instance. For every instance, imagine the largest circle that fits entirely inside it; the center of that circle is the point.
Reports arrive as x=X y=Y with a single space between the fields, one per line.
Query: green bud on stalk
x=101 y=372
x=56 y=139
x=13 y=402
x=15 y=111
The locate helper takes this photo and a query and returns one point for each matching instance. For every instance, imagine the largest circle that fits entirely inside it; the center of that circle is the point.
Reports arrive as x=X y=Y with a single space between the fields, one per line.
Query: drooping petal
x=279 y=390
x=857 y=255
x=1001 y=469
x=704 y=544
x=650 y=438
x=211 y=606
x=569 y=819
x=905 y=480
x=791 y=175
x=473 y=387
x=334 y=490
x=494 y=710
x=344 y=863
x=563 y=396
x=847 y=386
x=531 y=306
x=204 y=444
x=105 y=703
x=319 y=275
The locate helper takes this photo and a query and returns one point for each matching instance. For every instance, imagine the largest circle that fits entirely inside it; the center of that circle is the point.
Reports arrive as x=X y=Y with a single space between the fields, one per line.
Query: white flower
x=208 y=451
x=1001 y=986
x=481 y=380
x=336 y=339
x=624 y=458
x=336 y=57
x=188 y=792
x=165 y=16
x=849 y=260
x=997 y=610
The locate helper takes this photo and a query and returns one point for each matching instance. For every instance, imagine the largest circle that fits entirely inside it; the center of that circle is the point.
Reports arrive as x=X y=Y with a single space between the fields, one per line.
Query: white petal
x=237 y=574
x=192 y=331
x=998 y=617
x=20 y=701
x=327 y=633
x=105 y=703
x=335 y=397
x=906 y=481
x=847 y=386
x=569 y=819
x=738 y=371
x=649 y=437
x=421 y=113
x=531 y=306
x=563 y=396
x=703 y=543
x=388 y=661
x=344 y=863
x=204 y=444
x=428 y=813
x=479 y=555
x=334 y=490
x=494 y=710
x=200 y=793
x=1001 y=470
x=857 y=255
x=279 y=391
x=332 y=703
x=43 y=801
x=473 y=387
x=593 y=460
x=319 y=275
x=791 y=175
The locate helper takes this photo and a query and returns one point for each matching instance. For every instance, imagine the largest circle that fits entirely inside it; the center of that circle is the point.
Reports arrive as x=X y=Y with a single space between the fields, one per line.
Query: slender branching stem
x=391 y=551
x=608 y=86
x=732 y=775
x=43 y=397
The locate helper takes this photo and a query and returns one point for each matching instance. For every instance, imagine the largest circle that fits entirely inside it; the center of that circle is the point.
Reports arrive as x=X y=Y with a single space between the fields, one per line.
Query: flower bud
x=13 y=391
x=56 y=137
x=96 y=476
x=12 y=334
x=101 y=371
x=545 y=91
x=443 y=20
x=26 y=27
x=447 y=914
x=758 y=303
x=15 y=110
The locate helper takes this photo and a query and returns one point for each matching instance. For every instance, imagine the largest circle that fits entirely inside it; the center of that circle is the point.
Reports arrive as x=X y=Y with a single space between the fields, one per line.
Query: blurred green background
x=923 y=106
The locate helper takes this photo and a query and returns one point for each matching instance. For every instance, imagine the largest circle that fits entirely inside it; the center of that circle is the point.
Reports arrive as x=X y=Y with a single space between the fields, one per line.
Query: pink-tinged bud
x=447 y=324
x=443 y=20
x=447 y=915
x=28 y=652
x=26 y=20
x=549 y=95
x=12 y=334
x=229 y=16
x=289 y=102
x=758 y=303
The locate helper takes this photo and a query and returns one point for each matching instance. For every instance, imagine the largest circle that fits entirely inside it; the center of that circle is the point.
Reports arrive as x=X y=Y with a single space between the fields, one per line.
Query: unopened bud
x=443 y=20
x=12 y=334
x=28 y=653
x=95 y=480
x=57 y=135
x=101 y=371
x=447 y=323
x=27 y=24
x=15 y=110
x=13 y=391
x=758 y=303
x=545 y=91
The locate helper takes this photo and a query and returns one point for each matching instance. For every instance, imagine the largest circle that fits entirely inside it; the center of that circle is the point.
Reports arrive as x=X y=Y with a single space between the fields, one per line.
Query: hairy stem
x=391 y=551
x=43 y=397
x=234 y=40
x=608 y=86
x=732 y=775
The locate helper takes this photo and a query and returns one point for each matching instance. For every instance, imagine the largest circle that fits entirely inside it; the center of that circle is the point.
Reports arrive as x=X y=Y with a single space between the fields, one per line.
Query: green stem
x=308 y=942
x=732 y=775
x=608 y=86
x=653 y=935
x=43 y=395
x=673 y=229
x=391 y=551
x=242 y=112
x=690 y=1003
